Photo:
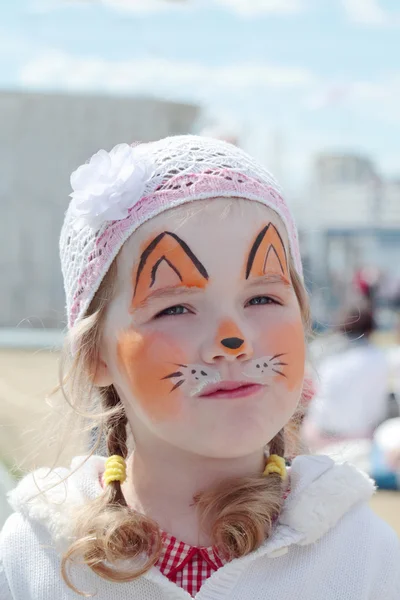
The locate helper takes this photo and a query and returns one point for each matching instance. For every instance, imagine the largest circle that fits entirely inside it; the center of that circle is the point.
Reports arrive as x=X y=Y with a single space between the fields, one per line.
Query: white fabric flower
x=108 y=186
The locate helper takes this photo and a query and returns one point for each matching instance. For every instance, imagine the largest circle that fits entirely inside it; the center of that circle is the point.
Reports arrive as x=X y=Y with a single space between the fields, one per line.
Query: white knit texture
x=185 y=168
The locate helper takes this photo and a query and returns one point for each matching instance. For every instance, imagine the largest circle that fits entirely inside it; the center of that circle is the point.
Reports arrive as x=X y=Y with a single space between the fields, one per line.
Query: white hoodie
x=327 y=544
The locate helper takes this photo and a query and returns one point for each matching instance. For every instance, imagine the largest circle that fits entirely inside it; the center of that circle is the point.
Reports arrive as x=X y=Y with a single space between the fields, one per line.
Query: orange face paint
x=230 y=339
x=288 y=339
x=146 y=360
x=167 y=249
x=267 y=254
x=284 y=357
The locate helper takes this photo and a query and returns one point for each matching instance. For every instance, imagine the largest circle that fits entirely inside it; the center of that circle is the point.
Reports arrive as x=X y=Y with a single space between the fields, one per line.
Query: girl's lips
x=231 y=389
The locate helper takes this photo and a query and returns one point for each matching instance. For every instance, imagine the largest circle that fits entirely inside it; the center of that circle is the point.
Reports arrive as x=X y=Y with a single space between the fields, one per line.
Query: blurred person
x=188 y=322
x=378 y=456
x=385 y=455
x=352 y=386
x=366 y=284
x=394 y=364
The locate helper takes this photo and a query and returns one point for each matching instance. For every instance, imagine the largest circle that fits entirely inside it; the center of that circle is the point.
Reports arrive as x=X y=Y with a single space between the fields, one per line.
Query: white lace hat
x=116 y=192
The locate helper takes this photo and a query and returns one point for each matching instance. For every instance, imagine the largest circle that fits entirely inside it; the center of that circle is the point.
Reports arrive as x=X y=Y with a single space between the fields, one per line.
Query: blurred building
x=353 y=221
x=43 y=138
x=391 y=203
x=345 y=188
x=339 y=169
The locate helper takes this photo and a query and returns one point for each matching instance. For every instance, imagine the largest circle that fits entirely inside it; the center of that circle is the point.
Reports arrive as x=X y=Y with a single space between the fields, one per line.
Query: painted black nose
x=232 y=343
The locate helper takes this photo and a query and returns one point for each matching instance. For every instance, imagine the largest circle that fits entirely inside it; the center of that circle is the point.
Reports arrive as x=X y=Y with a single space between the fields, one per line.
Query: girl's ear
x=100 y=374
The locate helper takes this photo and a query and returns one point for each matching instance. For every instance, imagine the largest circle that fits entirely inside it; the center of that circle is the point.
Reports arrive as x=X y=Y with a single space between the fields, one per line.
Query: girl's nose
x=229 y=343
x=233 y=343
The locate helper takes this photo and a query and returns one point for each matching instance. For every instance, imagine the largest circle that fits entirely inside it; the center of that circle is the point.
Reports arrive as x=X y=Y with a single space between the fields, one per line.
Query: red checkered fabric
x=187 y=566
x=190 y=566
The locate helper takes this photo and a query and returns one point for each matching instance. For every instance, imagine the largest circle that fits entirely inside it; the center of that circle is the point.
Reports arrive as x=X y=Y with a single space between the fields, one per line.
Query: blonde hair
x=241 y=510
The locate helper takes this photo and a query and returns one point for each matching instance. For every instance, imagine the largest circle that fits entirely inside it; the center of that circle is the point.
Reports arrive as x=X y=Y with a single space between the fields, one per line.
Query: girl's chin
x=228 y=443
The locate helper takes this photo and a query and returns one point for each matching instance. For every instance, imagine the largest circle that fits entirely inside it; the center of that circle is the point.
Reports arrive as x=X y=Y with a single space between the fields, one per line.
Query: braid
x=115 y=437
x=240 y=512
x=277 y=444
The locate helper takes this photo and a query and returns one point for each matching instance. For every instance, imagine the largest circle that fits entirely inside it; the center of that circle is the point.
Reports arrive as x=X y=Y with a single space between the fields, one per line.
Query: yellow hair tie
x=115 y=469
x=275 y=464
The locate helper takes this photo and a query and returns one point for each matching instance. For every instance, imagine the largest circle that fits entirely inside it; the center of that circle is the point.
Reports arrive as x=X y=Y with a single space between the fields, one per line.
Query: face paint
x=146 y=361
x=285 y=361
x=171 y=253
x=263 y=368
x=287 y=364
x=193 y=378
x=230 y=339
x=267 y=254
x=289 y=337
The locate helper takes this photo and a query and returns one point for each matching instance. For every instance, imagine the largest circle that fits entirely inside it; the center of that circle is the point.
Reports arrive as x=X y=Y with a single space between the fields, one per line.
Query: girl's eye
x=172 y=310
x=261 y=300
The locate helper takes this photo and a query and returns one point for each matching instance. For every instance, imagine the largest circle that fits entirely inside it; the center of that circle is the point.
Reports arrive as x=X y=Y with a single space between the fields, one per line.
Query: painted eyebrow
x=269 y=278
x=153 y=245
x=168 y=292
x=256 y=246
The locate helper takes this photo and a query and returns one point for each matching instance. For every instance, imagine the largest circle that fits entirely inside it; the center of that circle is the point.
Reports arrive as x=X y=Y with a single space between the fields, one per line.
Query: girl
x=188 y=318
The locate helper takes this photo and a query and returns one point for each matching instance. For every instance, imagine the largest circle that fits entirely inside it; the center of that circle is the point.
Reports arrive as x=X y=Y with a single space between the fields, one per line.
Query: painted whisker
x=176 y=374
x=277 y=356
x=177 y=385
x=279 y=373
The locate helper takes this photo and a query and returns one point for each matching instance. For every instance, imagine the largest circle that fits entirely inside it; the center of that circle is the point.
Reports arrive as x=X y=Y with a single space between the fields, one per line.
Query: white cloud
x=244 y=7
x=134 y=6
x=325 y=97
x=378 y=99
x=370 y=12
x=158 y=76
x=251 y=7
x=147 y=5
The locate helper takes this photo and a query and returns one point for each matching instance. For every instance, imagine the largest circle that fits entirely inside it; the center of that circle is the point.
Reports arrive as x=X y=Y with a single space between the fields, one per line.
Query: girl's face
x=204 y=339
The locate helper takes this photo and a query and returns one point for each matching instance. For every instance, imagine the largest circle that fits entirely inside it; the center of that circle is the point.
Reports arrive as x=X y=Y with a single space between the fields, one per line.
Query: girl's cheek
x=145 y=360
x=288 y=339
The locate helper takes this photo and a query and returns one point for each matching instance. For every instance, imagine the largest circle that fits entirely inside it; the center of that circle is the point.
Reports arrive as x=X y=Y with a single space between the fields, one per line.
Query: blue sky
x=315 y=74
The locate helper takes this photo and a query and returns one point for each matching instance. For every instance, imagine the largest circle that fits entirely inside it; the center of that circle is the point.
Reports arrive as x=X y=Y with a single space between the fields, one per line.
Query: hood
x=321 y=493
